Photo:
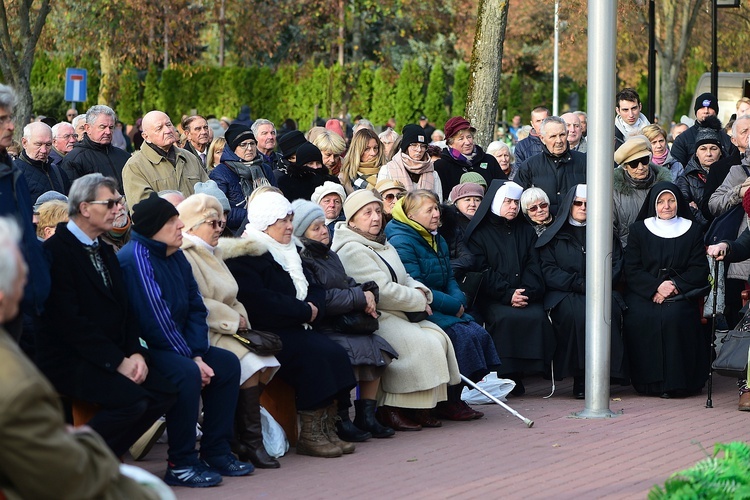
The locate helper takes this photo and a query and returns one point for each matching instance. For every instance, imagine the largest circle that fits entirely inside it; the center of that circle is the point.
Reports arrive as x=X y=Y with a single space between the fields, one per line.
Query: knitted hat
x=327 y=188
x=305 y=213
x=706 y=100
x=266 y=208
x=48 y=196
x=387 y=184
x=198 y=208
x=150 y=215
x=307 y=153
x=357 y=200
x=457 y=124
x=236 y=134
x=335 y=126
x=474 y=177
x=412 y=134
x=289 y=142
x=636 y=147
x=708 y=132
x=465 y=190
x=211 y=188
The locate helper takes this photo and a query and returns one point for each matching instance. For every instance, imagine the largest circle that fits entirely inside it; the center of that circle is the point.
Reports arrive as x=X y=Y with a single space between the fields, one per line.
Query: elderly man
x=79 y=125
x=683 y=147
x=584 y=119
x=198 y=137
x=63 y=139
x=532 y=145
x=265 y=134
x=34 y=161
x=159 y=164
x=556 y=169
x=575 y=133
x=94 y=151
x=629 y=120
x=88 y=343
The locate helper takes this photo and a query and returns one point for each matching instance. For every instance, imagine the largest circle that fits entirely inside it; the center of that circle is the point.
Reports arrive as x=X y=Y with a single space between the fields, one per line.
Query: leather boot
x=395 y=419
x=330 y=419
x=744 y=404
x=248 y=435
x=365 y=419
x=312 y=440
x=347 y=431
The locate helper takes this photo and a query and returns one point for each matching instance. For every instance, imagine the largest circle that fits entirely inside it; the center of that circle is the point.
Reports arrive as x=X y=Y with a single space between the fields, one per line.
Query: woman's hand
x=372 y=306
x=667 y=289
x=206 y=371
x=314 y=311
x=718 y=251
x=243 y=322
x=460 y=312
x=519 y=299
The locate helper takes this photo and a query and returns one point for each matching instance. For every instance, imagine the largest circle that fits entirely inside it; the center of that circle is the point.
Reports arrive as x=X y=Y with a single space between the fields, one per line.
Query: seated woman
x=172 y=319
x=331 y=197
x=305 y=173
x=368 y=354
x=363 y=161
x=562 y=248
x=455 y=219
x=390 y=191
x=278 y=298
x=204 y=222
x=424 y=253
x=667 y=274
x=535 y=207
x=426 y=362
x=511 y=298
x=411 y=165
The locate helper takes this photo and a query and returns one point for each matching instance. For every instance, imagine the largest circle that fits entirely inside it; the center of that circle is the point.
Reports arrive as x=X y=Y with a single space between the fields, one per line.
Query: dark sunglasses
x=110 y=202
x=534 y=208
x=638 y=161
x=214 y=223
x=579 y=203
x=391 y=196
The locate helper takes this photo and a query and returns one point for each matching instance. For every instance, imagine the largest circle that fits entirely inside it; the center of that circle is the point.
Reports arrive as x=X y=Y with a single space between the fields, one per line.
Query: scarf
x=413 y=174
x=286 y=256
x=119 y=232
x=429 y=236
x=640 y=183
x=379 y=238
x=659 y=160
x=630 y=130
x=368 y=171
x=461 y=158
x=251 y=174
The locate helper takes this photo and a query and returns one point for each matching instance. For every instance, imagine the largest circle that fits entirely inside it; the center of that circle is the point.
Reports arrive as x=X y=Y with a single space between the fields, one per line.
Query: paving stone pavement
x=499 y=457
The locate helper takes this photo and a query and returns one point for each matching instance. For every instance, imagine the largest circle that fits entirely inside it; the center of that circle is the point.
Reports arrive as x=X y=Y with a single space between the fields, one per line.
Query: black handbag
x=733 y=356
x=416 y=316
x=470 y=285
x=356 y=323
x=259 y=342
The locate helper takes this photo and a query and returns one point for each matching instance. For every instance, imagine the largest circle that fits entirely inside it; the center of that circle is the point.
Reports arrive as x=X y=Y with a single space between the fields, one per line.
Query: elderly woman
x=513 y=287
x=667 y=275
x=501 y=151
x=204 y=221
x=562 y=249
x=279 y=298
x=411 y=165
x=332 y=146
x=389 y=138
x=390 y=191
x=215 y=150
x=425 y=255
x=462 y=155
x=331 y=197
x=369 y=354
x=661 y=156
x=172 y=320
x=455 y=219
x=632 y=179
x=240 y=172
x=363 y=161
x=426 y=362
x=535 y=207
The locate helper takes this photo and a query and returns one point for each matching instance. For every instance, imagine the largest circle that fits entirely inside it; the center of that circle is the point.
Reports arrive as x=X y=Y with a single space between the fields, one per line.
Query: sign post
x=75 y=85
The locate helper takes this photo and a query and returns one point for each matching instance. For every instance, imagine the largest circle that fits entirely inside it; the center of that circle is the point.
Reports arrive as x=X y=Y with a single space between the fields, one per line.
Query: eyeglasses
x=214 y=223
x=4 y=120
x=417 y=145
x=391 y=196
x=110 y=202
x=579 y=203
x=248 y=145
x=534 y=208
x=638 y=161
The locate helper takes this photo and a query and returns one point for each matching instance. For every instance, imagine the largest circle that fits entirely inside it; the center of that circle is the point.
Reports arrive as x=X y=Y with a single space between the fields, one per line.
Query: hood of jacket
x=241 y=247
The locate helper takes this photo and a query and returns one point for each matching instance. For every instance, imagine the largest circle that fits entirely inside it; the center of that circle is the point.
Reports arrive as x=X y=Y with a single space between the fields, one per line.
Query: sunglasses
x=534 y=208
x=638 y=161
x=579 y=203
x=110 y=202
x=391 y=196
x=214 y=223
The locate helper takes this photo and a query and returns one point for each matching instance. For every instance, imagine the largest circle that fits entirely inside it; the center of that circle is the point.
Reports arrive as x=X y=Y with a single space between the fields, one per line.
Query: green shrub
x=130 y=95
x=49 y=101
x=151 y=90
x=383 y=96
x=460 y=89
x=361 y=101
x=434 y=104
x=409 y=96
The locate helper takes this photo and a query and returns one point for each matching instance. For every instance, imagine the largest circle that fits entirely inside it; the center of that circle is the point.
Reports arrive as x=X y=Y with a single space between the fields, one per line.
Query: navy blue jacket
x=42 y=177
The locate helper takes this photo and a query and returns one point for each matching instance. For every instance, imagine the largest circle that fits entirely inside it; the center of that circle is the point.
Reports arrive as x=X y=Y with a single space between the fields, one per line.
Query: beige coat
x=148 y=171
x=425 y=353
x=39 y=458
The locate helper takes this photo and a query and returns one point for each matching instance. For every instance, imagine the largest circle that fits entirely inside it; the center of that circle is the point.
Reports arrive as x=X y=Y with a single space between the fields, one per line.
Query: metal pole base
x=606 y=413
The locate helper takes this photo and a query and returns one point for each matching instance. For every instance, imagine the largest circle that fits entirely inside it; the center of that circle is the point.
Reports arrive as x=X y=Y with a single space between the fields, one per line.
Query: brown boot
x=744 y=404
x=248 y=435
x=331 y=415
x=312 y=440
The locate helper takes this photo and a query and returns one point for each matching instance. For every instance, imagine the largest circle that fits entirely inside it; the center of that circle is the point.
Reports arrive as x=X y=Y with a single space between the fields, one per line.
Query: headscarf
x=484 y=207
x=563 y=215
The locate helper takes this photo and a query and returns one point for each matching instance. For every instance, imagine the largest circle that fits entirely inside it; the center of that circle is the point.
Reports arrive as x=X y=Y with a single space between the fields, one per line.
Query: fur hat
x=327 y=188
x=706 y=100
x=636 y=147
x=708 y=132
x=236 y=134
x=305 y=213
x=266 y=208
x=455 y=125
x=211 y=188
x=198 y=208
x=412 y=134
x=465 y=190
x=357 y=200
x=289 y=142
x=150 y=215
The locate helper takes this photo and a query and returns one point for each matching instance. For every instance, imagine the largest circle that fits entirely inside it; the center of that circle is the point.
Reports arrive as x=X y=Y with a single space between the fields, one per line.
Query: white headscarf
x=508 y=190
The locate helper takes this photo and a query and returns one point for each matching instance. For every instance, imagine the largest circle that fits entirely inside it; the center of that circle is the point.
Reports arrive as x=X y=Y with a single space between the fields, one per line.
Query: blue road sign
x=75 y=84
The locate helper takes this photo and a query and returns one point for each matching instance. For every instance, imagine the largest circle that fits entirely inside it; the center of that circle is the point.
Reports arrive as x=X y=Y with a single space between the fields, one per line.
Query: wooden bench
x=278 y=398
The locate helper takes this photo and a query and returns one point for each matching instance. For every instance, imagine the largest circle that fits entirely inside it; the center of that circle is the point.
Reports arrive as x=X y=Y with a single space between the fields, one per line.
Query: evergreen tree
x=434 y=105
x=383 y=96
x=460 y=89
x=361 y=102
x=129 y=95
x=151 y=90
x=409 y=96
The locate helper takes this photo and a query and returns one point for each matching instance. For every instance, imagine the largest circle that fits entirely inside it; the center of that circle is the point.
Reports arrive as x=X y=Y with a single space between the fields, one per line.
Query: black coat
x=715 y=178
x=450 y=169
x=453 y=229
x=692 y=186
x=300 y=182
x=88 y=157
x=42 y=176
x=683 y=147
x=555 y=175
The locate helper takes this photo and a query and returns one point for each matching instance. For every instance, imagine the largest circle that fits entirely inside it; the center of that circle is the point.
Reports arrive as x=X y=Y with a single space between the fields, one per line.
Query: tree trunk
x=108 y=84
x=486 y=65
x=222 y=32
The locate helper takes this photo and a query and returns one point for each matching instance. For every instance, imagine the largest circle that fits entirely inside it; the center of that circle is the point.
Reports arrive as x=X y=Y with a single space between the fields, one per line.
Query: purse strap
x=393 y=273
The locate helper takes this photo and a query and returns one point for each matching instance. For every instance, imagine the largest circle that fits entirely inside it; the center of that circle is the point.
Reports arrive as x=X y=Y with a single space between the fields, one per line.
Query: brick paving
x=499 y=457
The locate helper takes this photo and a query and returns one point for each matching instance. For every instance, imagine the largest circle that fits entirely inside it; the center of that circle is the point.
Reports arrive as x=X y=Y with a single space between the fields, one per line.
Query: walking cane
x=712 y=351
x=528 y=422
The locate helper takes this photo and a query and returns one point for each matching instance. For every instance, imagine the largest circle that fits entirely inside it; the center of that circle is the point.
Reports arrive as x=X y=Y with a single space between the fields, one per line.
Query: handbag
x=733 y=355
x=259 y=342
x=415 y=316
x=356 y=323
x=470 y=284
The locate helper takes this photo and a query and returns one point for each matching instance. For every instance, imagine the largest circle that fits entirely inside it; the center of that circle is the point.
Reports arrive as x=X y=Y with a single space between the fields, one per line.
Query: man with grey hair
x=88 y=342
x=556 y=169
x=198 y=137
x=265 y=135
x=94 y=151
x=34 y=161
x=63 y=139
x=584 y=119
x=575 y=136
x=79 y=125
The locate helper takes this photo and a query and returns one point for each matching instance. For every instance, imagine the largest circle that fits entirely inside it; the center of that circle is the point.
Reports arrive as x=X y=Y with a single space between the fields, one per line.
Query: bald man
x=35 y=163
x=575 y=132
x=160 y=165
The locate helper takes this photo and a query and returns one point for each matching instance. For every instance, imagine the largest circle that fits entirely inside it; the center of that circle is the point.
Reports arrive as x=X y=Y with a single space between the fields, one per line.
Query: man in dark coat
x=63 y=139
x=88 y=344
x=683 y=147
x=35 y=163
x=198 y=138
x=94 y=152
x=532 y=145
x=556 y=169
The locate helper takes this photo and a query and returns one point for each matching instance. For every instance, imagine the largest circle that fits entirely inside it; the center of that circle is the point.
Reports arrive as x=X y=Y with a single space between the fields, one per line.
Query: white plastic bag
x=274 y=437
x=498 y=387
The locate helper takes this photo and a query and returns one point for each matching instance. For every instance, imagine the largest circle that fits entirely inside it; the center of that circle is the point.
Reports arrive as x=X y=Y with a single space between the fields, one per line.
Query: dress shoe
x=744 y=404
x=476 y=414
x=424 y=418
x=579 y=388
x=454 y=410
x=392 y=417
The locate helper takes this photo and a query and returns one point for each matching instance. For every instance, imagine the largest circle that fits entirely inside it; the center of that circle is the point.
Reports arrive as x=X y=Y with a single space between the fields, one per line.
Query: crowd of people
x=395 y=263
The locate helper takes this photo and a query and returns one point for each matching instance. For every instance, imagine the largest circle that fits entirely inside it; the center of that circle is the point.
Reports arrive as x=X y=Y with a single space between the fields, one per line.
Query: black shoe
x=519 y=389
x=579 y=388
x=347 y=431
x=365 y=419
